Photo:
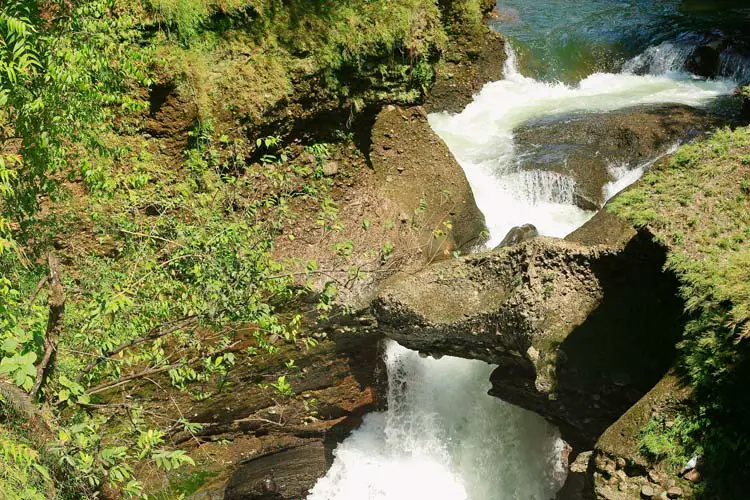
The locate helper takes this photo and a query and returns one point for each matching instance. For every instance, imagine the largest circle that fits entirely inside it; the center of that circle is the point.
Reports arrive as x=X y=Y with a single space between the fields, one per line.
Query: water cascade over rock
x=592 y=150
x=443 y=437
x=541 y=311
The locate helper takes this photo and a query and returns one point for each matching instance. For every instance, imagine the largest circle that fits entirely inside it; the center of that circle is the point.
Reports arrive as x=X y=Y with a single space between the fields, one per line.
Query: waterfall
x=442 y=437
x=672 y=57
x=623 y=175
x=481 y=138
x=660 y=59
x=535 y=187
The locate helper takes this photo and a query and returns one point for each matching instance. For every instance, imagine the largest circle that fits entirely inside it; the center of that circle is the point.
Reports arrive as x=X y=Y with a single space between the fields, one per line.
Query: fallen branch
x=42 y=431
x=124 y=380
x=149 y=236
x=21 y=403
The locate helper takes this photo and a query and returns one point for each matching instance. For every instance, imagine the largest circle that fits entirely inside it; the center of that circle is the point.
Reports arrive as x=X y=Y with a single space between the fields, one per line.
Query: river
x=442 y=437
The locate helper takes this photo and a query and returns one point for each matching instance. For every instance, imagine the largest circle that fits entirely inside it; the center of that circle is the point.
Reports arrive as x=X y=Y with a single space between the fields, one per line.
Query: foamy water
x=481 y=138
x=442 y=437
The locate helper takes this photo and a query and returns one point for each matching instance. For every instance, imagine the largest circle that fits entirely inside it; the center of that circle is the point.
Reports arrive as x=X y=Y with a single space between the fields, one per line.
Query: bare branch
x=150 y=236
x=153 y=371
x=56 y=301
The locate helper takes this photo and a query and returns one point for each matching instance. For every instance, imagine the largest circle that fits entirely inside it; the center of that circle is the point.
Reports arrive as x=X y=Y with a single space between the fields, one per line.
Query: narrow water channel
x=442 y=437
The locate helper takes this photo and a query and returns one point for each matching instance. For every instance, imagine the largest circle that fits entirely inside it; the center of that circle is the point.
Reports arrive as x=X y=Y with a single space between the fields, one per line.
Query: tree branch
x=152 y=335
x=106 y=386
x=56 y=301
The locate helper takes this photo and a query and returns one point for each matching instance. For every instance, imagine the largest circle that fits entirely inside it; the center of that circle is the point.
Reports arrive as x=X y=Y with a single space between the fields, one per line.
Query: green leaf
x=10 y=345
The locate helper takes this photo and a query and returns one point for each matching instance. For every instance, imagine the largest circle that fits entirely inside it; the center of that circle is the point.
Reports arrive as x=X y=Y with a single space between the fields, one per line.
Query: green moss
x=245 y=55
x=697 y=205
x=184 y=483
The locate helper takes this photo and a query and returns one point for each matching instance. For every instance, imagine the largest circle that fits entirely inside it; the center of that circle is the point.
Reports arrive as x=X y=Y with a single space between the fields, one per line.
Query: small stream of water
x=443 y=437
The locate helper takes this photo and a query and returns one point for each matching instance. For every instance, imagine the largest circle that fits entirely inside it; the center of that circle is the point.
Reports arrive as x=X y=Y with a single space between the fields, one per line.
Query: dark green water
x=570 y=39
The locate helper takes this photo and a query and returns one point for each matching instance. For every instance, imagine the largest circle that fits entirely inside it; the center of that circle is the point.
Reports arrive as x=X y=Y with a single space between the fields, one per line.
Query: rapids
x=442 y=437
x=481 y=139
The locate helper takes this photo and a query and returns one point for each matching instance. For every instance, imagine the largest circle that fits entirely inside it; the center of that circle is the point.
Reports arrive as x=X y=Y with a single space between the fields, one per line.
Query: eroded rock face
x=283 y=475
x=475 y=57
x=416 y=170
x=587 y=147
x=171 y=115
x=279 y=446
x=460 y=80
x=566 y=322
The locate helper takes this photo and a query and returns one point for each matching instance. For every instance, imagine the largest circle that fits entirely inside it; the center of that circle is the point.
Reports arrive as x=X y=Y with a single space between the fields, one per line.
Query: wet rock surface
x=416 y=170
x=519 y=234
x=718 y=54
x=587 y=147
x=705 y=60
x=460 y=80
x=283 y=475
x=475 y=57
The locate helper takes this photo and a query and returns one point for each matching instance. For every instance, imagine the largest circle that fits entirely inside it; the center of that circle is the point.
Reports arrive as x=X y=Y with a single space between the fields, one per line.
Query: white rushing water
x=481 y=138
x=671 y=57
x=443 y=437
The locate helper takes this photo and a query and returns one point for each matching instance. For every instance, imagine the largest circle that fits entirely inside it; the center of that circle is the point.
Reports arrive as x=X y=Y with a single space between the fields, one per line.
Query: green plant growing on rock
x=708 y=251
x=319 y=150
x=283 y=387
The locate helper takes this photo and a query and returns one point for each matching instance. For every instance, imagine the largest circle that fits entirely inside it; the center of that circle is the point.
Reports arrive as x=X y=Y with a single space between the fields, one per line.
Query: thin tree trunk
x=56 y=301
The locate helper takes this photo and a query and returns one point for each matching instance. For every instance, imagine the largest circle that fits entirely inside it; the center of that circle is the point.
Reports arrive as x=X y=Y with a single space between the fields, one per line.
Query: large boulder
x=705 y=60
x=597 y=148
x=416 y=170
x=579 y=330
x=619 y=447
x=282 y=475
